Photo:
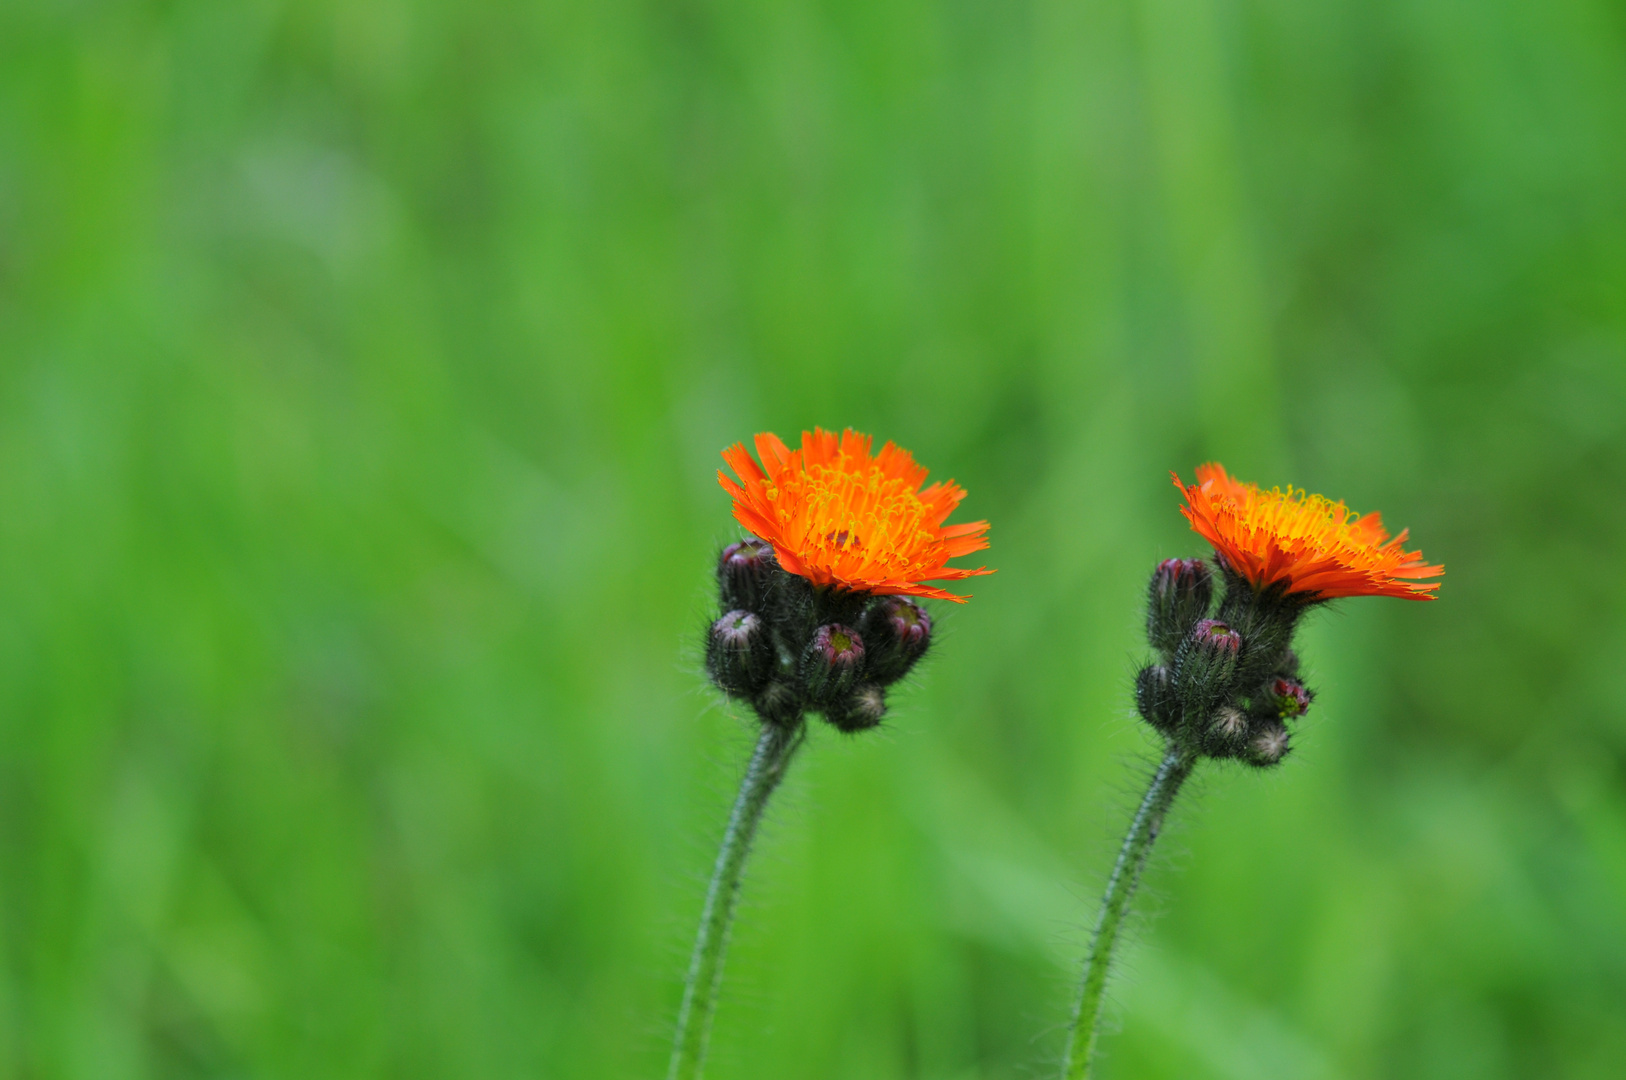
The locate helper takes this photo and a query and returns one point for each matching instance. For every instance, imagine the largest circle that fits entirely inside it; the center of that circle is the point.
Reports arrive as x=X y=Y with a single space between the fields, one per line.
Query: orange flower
x=1319 y=548
x=838 y=516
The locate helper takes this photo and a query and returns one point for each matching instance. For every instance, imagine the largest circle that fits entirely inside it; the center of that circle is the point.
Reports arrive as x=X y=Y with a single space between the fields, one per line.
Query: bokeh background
x=363 y=370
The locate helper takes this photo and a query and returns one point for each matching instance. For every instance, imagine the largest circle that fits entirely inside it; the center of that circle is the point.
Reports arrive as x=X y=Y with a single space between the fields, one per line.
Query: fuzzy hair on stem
x=776 y=745
x=1171 y=773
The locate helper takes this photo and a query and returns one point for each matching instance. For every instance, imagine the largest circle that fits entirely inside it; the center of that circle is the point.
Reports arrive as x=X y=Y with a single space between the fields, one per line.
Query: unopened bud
x=1289 y=697
x=1218 y=637
x=1268 y=745
x=1229 y=723
x=897 y=632
x=777 y=703
x=858 y=711
x=739 y=653
x=1153 y=699
x=743 y=572
x=1178 y=597
x=1204 y=664
x=832 y=663
x=1226 y=734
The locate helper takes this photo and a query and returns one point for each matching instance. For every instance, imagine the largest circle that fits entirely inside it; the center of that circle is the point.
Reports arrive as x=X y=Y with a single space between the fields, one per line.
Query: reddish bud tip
x=1204 y=665
x=1180 y=593
x=911 y=624
x=1292 y=697
x=1172 y=573
x=838 y=645
x=1213 y=635
x=832 y=662
x=743 y=572
x=897 y=632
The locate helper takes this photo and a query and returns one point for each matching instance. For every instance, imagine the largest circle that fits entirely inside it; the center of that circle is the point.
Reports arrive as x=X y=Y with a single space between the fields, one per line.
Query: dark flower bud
x=1204 y=664
x=743 y=572
x=1179 y=595
x=858 y=711
x=1154 y=700
x=832 y=663
x=1226 y=734
x=739 y=653
x=1288 y=698
x=1217 y=637
x=897 y=632
x=1268 y=744
x=777 y=703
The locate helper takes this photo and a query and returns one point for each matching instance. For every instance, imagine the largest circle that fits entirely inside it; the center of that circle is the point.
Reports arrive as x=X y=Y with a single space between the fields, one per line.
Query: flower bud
x=777 y=703
x=1268 y=745
x=1226 y=733
x=897 y=632
x=1179 y=595
x=1153 y=698
x=832 y=663
x=743 y=572
x=858 y=711
x=1288 y=698
x=739 y=653
x=1204 y=664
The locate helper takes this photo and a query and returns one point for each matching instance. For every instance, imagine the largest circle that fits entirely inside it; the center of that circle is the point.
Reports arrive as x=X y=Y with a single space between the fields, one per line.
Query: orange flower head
x=1317 y=548
x=841 y=517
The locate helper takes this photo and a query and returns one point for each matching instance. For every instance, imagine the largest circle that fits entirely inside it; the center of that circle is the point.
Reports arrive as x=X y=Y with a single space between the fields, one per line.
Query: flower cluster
x=818 y=608
x=1227 y=686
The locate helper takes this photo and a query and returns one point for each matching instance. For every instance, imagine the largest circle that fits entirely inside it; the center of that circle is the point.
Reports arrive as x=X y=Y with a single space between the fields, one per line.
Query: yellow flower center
x=1296 y=517
x=851 y=508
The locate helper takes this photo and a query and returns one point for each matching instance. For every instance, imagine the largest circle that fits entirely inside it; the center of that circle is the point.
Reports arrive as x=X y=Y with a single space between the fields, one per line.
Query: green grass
x=363 y=369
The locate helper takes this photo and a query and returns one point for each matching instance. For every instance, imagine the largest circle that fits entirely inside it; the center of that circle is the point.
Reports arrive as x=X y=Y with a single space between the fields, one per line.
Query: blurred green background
x=363 y=371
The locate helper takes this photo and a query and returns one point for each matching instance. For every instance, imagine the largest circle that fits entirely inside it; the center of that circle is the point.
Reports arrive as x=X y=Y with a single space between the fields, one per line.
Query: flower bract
x=840 y=516
x=1318 y=549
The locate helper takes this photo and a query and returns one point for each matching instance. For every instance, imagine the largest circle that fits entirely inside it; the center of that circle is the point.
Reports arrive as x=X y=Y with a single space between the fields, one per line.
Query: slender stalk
x=767 y=768
x=1171 y=773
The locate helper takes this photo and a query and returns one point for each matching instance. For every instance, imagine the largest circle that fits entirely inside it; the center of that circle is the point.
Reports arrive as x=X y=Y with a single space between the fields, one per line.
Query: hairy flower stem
x=1171 y=773
x=773 y=753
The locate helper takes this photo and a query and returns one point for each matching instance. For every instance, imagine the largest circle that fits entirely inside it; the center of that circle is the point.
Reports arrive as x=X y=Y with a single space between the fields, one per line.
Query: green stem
x=767 y=768
x=1176 y=766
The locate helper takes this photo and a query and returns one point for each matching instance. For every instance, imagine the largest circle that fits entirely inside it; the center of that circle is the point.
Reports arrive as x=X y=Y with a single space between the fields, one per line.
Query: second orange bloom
x=1311 y=547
